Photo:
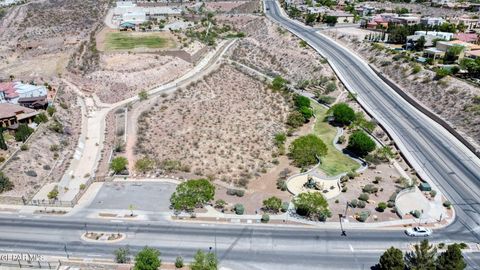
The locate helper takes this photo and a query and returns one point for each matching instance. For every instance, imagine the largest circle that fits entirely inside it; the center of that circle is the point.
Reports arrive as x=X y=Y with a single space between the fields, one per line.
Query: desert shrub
x=239 y=209
x=51 y=110
x=82 y=186
x=326 y=99
x=235 y=192
x=306 y=150
x=390 y=204
x=416 y=69
x=344 y=179
x=56 y=126
x=312 y=205
x=440 y=73
x=272 y=204
x=53 y=194
x=279 y=139
x=31 y=173
x=416 y=213
x=46 y=167
x=265 y=218
x=361 y=204
x=331 y=86
x=144 y=165
x=353 y=203
x=360 y=143
x=342 y=113
x=40 y=118
x=377 y=179
x=352 y=174
x=433 y=193
x=179 y=262
x=295 y=119
x=118 y=164
x=381 y=206
x=220 y=204
x=279 y=84
x=5 y=183
x=363 y=216
x=284 y=207
x=447 y=204
x=23 y=132
x=282 y=184
x=54 y=147
x=363 y=197
x=143 y=95
x=369 y=188
x=24 y=147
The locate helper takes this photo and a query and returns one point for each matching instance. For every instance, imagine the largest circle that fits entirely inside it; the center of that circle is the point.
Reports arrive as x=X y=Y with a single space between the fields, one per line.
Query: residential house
x=432 y=21
x=28 y=95
x=406 y=20
x=473 y=54
x=439 y=35
x=129 y=12
x=443 y=46
x=470 y=22
x=342 y=17
x=12 y=115
x=468 y=37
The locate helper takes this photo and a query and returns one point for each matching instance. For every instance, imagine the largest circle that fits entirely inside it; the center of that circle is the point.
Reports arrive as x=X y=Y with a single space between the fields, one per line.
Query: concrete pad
x=144 y=196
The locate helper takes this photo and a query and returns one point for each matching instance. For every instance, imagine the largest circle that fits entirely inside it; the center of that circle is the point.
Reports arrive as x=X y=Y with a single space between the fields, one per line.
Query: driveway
x=145 y=196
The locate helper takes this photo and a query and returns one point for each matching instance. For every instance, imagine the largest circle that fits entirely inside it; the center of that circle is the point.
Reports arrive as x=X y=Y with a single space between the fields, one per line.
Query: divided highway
x=434 y=153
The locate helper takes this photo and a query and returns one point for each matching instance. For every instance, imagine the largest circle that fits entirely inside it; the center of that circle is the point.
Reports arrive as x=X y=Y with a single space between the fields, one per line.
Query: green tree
x=5 y=183
x=312 y=205
x=147 y=259
x=179 y=262
x=310 y=18
x=301 y=101
x=452 y=53
x=3 y=144
x=40 y=118
x=420 y=44
x=307 y=150
x=330 y=20
x=191 y=194
x=118 y=164
x=204 y=261
x=360 y=143
x=422 y=258
x=272 y=204
x=23 y=132
x=342 y=113
x=122 y=255
x=451 y=259
x=392 y=259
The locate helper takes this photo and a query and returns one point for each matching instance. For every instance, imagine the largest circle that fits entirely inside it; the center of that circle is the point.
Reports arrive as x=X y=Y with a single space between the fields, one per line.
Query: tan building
x=11 y=115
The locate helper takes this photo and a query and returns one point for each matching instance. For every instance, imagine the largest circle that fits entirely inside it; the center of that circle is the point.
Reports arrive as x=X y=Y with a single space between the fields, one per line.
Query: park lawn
x=335 y=162
x=130 y=40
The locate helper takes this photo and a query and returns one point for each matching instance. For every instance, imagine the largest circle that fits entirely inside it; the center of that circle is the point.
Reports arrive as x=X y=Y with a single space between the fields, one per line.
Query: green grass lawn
x=128 y=41
x=335 y=162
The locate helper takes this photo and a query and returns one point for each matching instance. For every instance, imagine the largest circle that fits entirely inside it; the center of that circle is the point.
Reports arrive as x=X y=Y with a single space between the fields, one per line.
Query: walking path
x=90 y=145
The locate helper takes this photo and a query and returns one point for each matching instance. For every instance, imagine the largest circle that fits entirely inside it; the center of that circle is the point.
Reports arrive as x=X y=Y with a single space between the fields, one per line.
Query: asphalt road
x=237 y=246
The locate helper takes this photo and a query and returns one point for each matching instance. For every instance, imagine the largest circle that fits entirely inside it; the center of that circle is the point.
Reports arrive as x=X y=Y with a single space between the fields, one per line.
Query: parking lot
x=145 y=196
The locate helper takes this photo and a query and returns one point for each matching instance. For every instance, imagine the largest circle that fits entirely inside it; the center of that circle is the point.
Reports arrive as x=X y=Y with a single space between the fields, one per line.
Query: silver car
x=418 y=232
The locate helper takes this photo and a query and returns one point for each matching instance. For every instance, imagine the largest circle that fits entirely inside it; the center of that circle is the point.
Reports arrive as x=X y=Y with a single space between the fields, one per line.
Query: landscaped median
x=103 y=237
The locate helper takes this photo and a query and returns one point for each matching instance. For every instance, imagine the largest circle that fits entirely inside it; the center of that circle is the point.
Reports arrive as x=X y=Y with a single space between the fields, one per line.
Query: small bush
x=363 y=216
x=363 y=197
x=31 y=173
x=390 y=204
x=463 y=245
x=447 y=204
x=381 y=206
x=265 y=218
x=361 y=204
x=51 y=110
x=24 y=147
x=353 y=203
x=239 y=209
x=416 y=213
x=82 y=186
x=235 y=192
x=441 y=245
x=53 y=194
x=220 y=204
x=433 y=193
x=282 y=184
x=54 y=147
x=352 y=175
x=284 y=207
x=47 y=167
x=370 y=189
x=179 y=262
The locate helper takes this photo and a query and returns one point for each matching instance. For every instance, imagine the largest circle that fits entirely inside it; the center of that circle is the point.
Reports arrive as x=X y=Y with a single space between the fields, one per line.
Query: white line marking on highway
x=351 y=247
x=116 y=221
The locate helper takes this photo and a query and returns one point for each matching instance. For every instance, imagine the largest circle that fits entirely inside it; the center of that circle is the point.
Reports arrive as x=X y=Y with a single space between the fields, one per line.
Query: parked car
x=418 y=232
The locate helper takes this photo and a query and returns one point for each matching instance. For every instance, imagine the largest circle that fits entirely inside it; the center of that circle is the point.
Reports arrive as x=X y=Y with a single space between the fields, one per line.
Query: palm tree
x=422 y=258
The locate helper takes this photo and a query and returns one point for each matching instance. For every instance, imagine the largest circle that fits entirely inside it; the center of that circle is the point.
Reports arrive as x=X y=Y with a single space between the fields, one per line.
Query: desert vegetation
x=220 y=127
